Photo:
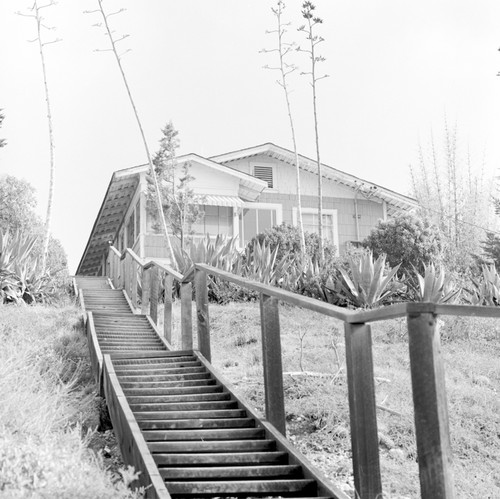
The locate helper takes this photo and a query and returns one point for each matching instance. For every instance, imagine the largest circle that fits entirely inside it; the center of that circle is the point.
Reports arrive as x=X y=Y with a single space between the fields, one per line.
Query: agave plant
x=486 y=289
x=260 y=264
x=368 y=283
x=435 y=286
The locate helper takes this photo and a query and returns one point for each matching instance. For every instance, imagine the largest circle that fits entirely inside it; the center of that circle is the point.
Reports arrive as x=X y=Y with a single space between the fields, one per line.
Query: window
x=310 y=220
x=264 y=173
x=216 y=220
x=253 y=221
x=130 y=231
x=138 y=217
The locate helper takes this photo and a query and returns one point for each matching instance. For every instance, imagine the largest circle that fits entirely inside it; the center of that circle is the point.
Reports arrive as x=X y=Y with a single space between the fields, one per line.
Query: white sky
x=396 y=66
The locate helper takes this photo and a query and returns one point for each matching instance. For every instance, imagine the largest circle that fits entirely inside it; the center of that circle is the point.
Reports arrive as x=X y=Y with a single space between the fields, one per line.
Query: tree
x=2 y=117
x=454 y=194
x=283 y=50
x=407 y=240
x=17 y=204
x=40 y=26
x=180 y=206
x=114 y=48
x=491 y=248
x=309 y=29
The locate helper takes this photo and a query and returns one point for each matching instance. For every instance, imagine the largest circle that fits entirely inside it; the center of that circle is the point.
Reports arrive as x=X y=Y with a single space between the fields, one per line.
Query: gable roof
x=395 y=201
x=120 y=192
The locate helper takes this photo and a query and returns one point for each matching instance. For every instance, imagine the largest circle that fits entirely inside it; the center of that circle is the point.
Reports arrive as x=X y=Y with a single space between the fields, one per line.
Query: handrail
x=426 y=364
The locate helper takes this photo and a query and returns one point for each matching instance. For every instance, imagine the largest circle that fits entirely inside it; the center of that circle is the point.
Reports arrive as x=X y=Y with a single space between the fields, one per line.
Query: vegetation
x=22 y=277
x=49 y=411
x=283 y=49
x=316 y=394
x=406 y=240
x=180 y=207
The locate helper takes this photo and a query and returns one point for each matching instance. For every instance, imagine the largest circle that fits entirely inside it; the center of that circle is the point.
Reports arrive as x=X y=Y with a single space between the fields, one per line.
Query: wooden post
x=201 y=293
x=167 y=310
x=431 y=408
x=362 y=409
x=153 y=295
x=146 y=290
x=186 y=316
x=271 y=360
x=134 y=269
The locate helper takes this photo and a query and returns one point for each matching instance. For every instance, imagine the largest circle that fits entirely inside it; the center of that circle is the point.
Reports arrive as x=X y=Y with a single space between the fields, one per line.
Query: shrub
x=287 y=239
x=407 y=241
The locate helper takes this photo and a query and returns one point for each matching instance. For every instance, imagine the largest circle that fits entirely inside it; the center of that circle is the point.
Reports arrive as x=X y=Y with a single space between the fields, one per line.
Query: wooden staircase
x=204 y=440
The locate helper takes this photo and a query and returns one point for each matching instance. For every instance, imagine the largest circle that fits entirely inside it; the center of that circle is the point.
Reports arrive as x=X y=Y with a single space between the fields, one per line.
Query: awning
x=234 y=201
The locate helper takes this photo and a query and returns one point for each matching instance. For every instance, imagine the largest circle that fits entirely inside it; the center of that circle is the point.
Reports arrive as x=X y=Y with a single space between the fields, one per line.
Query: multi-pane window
x=311 y=224
x=216 y=220
x=254 y=221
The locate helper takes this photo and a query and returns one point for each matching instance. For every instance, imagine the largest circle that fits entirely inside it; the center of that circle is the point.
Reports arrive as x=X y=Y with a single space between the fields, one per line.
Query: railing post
x=271 y=360
x=146 y=290
x=362 y=409
x=186 y=316
x=431 y=408
x=201 y=294
x=133 y=266
x=153 y=295
x=167 y=310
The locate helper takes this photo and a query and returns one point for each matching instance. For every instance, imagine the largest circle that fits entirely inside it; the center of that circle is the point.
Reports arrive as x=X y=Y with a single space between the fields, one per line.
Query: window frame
x=332 y=212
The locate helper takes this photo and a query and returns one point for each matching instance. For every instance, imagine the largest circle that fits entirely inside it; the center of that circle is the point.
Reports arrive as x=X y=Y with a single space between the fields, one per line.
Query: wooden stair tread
x=210 y=414
x=176 y=390
x=241 y=487
x=186 y=473
x=196 y=423
x=165 y=372
x=185 y=406
x=191 y=397
x=220 y=458
x=204 y=434
x=197 y=446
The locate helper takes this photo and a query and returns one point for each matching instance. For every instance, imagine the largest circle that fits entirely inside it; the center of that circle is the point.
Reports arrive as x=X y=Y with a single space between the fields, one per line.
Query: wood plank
x=362 y=409
x=231 y=472
x=198 y=446
x=167 y=310
x=185 y=406
x=272 y=363
x=202 y=315
x=204 y=434
x=221 y=458
x=210 y=414
x=186 y=315
x=153 y=294
x=178 y=424
x=431 y=407
x=146 y=291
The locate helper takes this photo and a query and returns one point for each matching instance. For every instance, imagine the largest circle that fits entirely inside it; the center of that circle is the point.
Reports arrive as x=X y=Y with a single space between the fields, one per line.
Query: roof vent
x=264 y=173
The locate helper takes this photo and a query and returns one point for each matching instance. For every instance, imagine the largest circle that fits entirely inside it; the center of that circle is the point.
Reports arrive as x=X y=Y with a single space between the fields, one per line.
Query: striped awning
x=233 y=201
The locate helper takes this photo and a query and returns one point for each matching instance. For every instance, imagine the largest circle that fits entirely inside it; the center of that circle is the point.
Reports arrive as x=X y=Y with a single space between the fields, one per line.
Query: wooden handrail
x=426 y=364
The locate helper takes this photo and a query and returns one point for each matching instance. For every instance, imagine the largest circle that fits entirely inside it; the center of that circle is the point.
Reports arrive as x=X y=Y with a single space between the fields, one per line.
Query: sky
x=396 y=69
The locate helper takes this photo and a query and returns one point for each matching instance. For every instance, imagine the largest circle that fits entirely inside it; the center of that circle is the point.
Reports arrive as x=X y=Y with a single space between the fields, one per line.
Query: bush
x=407 y=240
x=287 y=239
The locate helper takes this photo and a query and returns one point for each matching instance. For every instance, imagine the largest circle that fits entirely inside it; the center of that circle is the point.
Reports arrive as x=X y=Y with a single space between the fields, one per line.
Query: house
x=243 y=193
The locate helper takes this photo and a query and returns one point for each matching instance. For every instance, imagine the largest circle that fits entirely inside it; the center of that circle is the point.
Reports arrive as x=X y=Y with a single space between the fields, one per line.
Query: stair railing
x=129 y=271
x=426 y=364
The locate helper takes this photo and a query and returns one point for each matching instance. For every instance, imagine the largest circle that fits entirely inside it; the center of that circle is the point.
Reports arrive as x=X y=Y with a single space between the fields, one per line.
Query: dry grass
x=48 y=408
x=317 y=408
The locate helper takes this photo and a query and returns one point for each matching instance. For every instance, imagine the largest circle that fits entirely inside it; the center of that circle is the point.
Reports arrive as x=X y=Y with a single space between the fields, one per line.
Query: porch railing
x=426 y=363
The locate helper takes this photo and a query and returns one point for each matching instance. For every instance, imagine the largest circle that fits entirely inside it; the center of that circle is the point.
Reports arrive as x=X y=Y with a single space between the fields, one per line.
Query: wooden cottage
x=243 y=193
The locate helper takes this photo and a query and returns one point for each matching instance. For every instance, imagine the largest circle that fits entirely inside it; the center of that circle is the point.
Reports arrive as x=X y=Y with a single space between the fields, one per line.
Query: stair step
x=154 y=369
x=210 y=414
x=191 y=397
x=285 y=470
x=169 y=378
x=168 y=384
x=213 y=446
x=242 y=487
x=162 y=375
x=174 y=391
x=220 y=458
x=203 y=435
x=185 y=406
x=205 y=424
x=147 y=358
x=130 y=349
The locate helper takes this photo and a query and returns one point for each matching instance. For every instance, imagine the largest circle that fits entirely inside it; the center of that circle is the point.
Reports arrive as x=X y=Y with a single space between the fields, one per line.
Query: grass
x=316 y=393
x=48 y=409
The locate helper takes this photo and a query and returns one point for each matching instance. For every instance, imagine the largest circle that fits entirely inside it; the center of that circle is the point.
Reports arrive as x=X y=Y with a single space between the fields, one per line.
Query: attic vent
x=264 y=173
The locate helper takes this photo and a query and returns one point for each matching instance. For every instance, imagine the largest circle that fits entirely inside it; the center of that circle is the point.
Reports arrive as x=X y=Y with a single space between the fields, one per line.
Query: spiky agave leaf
x=435 y=286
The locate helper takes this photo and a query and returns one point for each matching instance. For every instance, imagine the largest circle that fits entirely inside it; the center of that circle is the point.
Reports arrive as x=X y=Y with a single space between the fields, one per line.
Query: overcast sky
x=396 y=68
